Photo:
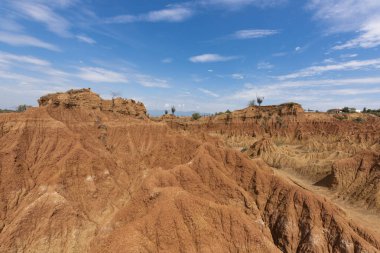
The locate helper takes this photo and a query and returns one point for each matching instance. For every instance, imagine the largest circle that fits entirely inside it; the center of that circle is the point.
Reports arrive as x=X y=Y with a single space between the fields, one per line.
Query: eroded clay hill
x=79 y=174
x=318 y=146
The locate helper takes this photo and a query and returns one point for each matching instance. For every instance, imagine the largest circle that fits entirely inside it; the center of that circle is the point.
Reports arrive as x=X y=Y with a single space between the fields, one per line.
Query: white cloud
x=42 y=13
x=297 y=49
x=321 y=87
x=348 y=55
x=175 y=14
x=355 y=91
x=208 y=92
x=9 y=59
x=238 y=4
x=350 y=16
x=264 y=65
x=120 y=71
x=211 y=58
x=25 y=40
x=24 y=78
x=122 y=19
x=100 y=75
x=369 y=36
x=85 y=39
x=329 y=60
x=167 y=60
x=171 y=14
x=253 y=33
x=316 y=70
x=148 y=81
x=237 y=76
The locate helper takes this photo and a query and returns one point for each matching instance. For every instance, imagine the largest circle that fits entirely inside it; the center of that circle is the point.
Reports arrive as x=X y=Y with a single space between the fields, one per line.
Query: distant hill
x=6 y=110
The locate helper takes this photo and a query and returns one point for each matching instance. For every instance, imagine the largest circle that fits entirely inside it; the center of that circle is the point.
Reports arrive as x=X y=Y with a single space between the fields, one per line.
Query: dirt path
x=368 y=219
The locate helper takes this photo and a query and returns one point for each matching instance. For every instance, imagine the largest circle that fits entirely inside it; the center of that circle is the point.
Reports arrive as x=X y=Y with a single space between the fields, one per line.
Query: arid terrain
x=83 y=174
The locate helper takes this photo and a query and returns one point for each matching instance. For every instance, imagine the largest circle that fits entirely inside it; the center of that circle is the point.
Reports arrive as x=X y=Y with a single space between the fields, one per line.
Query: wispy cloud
x=238 y=4
x=24 y=78
x=171 y=14
x=175 y=14
x=25 y=40
x=203 y=58
x=44 y=14
x=348 y=56
x=237 y=76
x=350 y=16
x=253 y=33
x=85 y=39
x=7 y=58
x=355 y=91
x=114 y=74
x=208 y=92
x=320 y=87
x=148 y=81
x=317 y=70
x=264 y=65
x=369 y=37
x=100 y=75
x=167 y=60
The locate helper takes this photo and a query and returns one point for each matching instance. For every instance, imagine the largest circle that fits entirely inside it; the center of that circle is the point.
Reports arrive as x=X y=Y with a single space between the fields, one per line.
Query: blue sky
x=201 y=55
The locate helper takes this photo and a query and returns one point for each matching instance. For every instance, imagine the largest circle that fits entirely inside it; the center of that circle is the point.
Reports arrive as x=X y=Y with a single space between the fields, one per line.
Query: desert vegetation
x=20 y=108
x=372 y=111
x=196 y=116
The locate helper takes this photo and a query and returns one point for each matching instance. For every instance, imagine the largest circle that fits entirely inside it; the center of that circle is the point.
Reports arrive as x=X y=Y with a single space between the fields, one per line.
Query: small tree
x=173 y=109
x=114 y=94
x=21 y=108
x=259 y=100
x=196 y=116
x=166 y=112
x=228 y=111
x=252 y=103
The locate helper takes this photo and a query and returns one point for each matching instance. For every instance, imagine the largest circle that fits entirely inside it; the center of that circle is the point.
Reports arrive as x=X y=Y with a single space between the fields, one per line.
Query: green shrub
x=21 y=108
x=196 y=116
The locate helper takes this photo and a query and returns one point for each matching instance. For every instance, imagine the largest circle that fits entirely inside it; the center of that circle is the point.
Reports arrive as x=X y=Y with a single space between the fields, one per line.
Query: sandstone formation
x=85 y=99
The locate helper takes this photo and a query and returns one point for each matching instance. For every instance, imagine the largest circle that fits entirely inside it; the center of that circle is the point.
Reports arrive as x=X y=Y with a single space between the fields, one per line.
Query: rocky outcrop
x=358 y=179
x=86 y=99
